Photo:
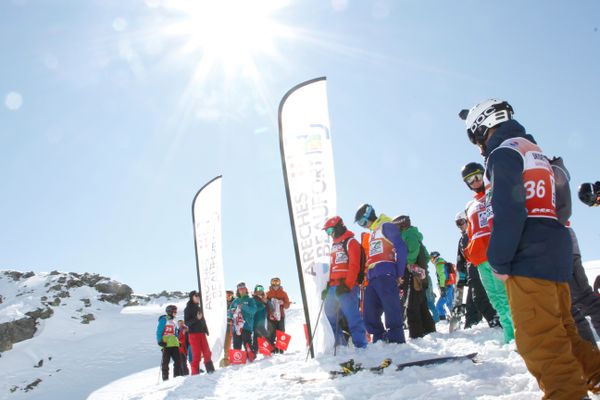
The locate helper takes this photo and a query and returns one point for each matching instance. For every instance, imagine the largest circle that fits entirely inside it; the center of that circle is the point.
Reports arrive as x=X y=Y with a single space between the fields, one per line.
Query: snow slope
x=115 y=357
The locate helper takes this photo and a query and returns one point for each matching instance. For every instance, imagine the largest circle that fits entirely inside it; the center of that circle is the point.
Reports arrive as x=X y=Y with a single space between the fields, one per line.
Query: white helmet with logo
x=484 y=116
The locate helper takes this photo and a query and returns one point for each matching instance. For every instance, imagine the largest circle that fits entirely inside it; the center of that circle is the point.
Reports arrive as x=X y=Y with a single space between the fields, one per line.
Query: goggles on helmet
x=472 y=178
x=330 y=230
x=275 y=282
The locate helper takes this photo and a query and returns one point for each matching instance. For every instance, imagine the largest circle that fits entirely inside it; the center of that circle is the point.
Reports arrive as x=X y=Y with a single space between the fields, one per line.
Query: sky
x=114 y=113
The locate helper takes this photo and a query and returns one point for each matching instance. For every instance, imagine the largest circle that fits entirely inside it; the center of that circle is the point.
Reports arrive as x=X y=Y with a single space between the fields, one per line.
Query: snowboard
x=436 y=361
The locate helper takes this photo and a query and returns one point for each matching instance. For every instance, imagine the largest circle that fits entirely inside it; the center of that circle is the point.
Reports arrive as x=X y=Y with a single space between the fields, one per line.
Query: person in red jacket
x=278 y=302
x=341 y=294
x=183 y=347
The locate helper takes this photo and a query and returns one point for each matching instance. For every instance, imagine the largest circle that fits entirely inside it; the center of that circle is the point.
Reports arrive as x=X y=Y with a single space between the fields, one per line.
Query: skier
x=194 y=319
x=530 y=250
x=583 y=300
x=420 y=322
x=386 y=262
x=260 y=318
x=183 y=347
x=478 y=230
x=227 y=344
x=478 y=304
x=446 y=281
x=167 y=337
x=278 y=303
x=341 y=294
x=242 y=312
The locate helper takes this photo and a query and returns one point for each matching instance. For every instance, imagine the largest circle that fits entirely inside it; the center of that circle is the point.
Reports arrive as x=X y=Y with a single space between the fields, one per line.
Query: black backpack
x=563 y=191
x=363 y=260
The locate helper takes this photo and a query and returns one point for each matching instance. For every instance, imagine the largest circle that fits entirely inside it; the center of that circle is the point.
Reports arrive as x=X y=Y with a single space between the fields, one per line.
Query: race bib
x=483 y=221
x=375 y=247
x=341 y=257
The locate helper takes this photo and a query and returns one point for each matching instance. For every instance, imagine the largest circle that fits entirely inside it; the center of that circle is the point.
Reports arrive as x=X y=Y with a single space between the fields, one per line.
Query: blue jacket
x=531 y=247
x=248 y=306
x=391 y=233
x=170 y=340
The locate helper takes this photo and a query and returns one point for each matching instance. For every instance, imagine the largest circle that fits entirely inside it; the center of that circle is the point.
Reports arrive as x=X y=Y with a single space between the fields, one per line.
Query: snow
x=116 y=357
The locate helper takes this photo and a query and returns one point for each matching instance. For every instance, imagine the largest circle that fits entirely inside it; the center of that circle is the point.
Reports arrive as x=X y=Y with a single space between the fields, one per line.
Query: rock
x=14 y=389
x=87 y=302
x=16 y=331
x=41 y=313
x=56 y=287
x=62 y=279
x=71 y=283
x=55 y=302
x=14 y=275
x=39 y=364
x=64 y=294
x=131 y=303
x=55 y=272
x=32 y=385
x=91 y=279
x=28 y=274
x=114 y=292
x=44 y=298
x=86 y=318
x=1 y=299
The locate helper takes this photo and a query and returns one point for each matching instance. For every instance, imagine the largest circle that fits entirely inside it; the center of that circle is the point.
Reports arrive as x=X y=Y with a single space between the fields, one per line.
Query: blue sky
x=114 y=113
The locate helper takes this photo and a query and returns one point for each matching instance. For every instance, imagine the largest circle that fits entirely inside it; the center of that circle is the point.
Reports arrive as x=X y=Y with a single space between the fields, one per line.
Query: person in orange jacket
x=341 y=294
x=278 y=302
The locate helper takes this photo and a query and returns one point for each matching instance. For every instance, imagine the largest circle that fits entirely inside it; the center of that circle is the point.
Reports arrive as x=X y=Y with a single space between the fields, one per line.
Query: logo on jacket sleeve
x=375 y=247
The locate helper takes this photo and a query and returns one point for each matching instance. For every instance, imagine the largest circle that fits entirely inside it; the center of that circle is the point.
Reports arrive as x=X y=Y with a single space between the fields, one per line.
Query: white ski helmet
x=484 y=116
x=461 y=216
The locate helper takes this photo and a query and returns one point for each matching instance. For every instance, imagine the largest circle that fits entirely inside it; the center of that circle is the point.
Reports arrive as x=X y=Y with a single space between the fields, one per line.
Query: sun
x=229 y=35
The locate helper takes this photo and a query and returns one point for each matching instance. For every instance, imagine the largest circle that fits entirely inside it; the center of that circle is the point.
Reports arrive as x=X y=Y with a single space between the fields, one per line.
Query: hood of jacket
x=506 y=130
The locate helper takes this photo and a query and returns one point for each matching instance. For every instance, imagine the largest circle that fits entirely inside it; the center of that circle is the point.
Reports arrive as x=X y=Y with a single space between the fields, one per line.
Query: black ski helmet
x=472 y=168
x=365 y=212
x=403 y=221
x=588 y=193
x=434 y=254
x=171 y=308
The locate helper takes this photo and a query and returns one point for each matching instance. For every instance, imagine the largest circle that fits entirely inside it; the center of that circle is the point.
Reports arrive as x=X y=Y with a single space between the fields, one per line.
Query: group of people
x=517 y=254
x=184 y=340
x=253 y=317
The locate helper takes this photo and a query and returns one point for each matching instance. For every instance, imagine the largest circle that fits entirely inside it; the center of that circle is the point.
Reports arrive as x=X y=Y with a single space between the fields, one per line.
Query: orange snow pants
x=545 y=334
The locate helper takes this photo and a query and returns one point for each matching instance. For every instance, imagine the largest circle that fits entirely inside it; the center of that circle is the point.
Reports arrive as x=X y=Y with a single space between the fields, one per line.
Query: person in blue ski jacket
x=386 y=262
x=167 y=336
x=242 y=311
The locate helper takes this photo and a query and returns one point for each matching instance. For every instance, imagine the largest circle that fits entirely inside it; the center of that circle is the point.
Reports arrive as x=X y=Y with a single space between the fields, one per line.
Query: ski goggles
x=275 y=282
x=461 y=222
x=241 y=285
x=362 y=222
x=472 y=178
x=259 y=288
x=330 y=230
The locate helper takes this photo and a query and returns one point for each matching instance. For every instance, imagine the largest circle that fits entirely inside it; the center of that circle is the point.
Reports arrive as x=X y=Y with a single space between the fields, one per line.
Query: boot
x=210 y=368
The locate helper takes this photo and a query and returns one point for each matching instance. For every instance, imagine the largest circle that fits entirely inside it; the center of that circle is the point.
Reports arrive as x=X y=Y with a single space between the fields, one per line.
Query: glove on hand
x=162 y=344
x=341 y=289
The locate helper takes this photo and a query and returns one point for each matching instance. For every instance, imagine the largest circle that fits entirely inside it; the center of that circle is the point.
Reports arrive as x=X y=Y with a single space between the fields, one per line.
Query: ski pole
x=160 y=367
x=312 y=336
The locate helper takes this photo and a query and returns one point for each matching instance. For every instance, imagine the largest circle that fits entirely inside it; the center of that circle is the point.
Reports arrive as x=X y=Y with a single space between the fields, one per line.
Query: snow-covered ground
x=115 y=357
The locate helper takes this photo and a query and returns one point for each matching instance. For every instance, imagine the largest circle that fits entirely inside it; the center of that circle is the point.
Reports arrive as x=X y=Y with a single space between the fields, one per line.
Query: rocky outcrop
x=16 y=331
x=86 y=318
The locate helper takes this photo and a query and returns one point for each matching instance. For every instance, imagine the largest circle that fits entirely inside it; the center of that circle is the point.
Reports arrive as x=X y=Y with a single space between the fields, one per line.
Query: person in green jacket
x=242 y=312
x=260 y=318
x=420 y=321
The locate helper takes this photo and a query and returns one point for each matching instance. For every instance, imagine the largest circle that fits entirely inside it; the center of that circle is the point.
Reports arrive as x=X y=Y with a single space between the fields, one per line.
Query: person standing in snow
x=446 y=280
x=583 y=300
x=341 y=294
x=478 y=304
x=167 y=336
x=241 y=312
x=420 y=321
x=479 y=233
x=278 y=302
x=531 y=252
x=183 y=346
x=386 y=262
x=227 y=344
x=194 y=319
x=260 y=318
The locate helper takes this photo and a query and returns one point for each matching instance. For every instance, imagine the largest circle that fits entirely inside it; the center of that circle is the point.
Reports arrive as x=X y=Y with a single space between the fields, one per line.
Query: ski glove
x=341 y=289
x=162 y=344
x=324 y=293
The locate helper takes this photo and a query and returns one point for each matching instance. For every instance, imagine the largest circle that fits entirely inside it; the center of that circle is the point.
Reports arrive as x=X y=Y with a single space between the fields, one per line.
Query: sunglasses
x=473 y=178
x=461 y=222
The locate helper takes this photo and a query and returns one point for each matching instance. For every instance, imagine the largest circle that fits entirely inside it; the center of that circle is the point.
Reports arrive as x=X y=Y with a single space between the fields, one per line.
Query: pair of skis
x=350 y=368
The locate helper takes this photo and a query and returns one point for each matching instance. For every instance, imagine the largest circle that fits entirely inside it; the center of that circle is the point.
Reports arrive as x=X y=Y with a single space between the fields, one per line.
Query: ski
x=435 y=361
x=348 y=368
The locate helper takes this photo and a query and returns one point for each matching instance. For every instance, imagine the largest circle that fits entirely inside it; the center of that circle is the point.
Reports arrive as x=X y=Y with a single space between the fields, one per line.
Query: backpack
x=563 y=191
x=363 y=260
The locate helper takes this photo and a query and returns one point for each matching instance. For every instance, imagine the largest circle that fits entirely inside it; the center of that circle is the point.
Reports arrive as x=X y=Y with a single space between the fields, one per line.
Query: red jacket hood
x=344 y=236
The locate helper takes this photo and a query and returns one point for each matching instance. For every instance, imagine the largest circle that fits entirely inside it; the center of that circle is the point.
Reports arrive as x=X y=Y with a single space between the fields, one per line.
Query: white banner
x=307 y=159
x=206 y=214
